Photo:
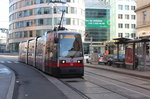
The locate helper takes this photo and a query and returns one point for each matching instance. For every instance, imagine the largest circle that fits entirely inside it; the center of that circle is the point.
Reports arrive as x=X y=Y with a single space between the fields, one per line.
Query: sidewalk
x=142 y=74
x=13 y=54
x=7 y=81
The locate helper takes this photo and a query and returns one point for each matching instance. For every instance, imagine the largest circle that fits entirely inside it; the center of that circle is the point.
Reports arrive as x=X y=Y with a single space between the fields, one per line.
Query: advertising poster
x=129 y=55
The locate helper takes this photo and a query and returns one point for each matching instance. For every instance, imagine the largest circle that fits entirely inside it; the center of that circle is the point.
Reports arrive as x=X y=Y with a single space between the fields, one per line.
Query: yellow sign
x=67 y=36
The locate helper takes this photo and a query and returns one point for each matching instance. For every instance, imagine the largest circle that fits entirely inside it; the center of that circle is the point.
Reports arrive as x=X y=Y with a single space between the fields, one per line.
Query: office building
x=31 y=18
x=97 y=23
x=123 y=19
x=143 y=18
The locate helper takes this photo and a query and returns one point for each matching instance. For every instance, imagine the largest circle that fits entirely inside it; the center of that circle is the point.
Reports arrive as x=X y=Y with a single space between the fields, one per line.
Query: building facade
x=3 y=39
x=143 y=18
x=97 y=23
x=123 y=19
x=31 y=18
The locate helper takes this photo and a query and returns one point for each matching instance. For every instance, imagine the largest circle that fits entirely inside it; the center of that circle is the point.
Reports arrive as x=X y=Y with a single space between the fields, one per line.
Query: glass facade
x=97 y=27
x=101 y=33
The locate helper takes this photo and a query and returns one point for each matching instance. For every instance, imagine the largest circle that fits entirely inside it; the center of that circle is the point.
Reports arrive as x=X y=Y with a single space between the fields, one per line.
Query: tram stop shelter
x=137 y=54
x=120 y=42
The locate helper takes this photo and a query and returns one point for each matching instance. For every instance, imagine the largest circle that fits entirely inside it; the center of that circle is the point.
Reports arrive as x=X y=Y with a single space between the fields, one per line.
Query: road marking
x=2 y=62
x=16 y=62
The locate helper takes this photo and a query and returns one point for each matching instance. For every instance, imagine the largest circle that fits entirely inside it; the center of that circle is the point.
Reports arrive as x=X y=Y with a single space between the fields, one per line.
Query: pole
x=91 y=48
x=52 y=16
x=144 y=54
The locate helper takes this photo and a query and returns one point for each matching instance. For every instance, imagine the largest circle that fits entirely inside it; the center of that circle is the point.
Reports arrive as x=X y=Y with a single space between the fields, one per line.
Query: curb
x=11 y=86
x=119 y=71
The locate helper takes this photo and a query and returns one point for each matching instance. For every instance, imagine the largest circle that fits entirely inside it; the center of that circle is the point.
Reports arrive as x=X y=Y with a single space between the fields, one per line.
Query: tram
x=56 y=53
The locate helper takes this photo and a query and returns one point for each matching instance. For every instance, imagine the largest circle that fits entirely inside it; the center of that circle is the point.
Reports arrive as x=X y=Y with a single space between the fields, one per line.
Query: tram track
x=74 y=89
x=121 y=81
x=89 y=75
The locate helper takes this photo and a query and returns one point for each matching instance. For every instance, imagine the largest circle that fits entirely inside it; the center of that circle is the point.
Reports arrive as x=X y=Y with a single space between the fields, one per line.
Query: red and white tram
x=56 y=53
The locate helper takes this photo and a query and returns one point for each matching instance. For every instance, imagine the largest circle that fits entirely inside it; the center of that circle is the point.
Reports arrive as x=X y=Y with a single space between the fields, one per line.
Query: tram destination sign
x=97 y=23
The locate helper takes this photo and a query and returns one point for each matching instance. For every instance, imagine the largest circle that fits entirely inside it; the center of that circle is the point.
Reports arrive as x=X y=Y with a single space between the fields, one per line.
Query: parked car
x=101 y=59
x=87 y=58
x=105 y=59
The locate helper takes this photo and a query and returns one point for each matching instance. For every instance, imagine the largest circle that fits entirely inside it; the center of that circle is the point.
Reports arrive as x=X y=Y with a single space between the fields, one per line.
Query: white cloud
x=4 y=13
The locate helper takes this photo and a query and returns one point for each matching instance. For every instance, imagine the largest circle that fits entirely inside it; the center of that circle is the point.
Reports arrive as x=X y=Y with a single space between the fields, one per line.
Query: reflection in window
x=40 y=21
x=38 y=1
x=47 y=11
x=38 y=11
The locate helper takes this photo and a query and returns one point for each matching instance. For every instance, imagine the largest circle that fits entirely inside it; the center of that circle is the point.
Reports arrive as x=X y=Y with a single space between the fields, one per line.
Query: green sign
x=97 y=23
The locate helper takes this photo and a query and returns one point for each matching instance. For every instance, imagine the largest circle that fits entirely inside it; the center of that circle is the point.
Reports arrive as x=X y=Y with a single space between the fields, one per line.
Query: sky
x=4 y=13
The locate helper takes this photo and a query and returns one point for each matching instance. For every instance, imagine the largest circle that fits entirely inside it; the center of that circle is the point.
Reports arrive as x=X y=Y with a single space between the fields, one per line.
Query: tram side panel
x=23 y=47
x=50 y=54
x=31 y=52
x=39 y=61
x=20 y=52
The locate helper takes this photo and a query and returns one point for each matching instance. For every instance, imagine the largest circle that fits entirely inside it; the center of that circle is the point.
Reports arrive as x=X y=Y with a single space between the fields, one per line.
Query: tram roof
x=139 y=40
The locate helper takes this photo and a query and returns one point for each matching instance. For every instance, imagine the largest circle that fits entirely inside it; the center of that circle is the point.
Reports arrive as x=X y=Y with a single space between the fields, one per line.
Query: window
x=48 y=21
x=47 y=10
x=40 y=22
x=133 y=26
x=38 y=11
x=38 y=33
x=120 y=16
x=126 y=16
x=120 y=25
x=30 y=12
x=133 y=35
x=120 y=34
x=73 y=10
x=56 y=21
x=30 y=33
x=25 y=34
x=47 y=1
x=38 y=1
x=127 y=35
x=133 y=17
x=67 y=21
x=127 y=26
x=26 y=13
x=144 y=17
x=120 y=7
x=126 y=7
x=132 y=7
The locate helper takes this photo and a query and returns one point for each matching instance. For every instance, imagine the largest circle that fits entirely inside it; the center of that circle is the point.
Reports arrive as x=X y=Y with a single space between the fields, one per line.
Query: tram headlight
x=79 y=61
x=63 y=61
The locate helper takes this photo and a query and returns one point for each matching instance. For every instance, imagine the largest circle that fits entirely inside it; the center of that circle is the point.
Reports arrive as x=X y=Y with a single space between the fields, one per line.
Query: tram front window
x=70 y=45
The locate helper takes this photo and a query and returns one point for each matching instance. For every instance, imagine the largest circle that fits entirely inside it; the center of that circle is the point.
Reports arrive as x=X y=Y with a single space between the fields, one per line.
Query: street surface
x=96 y=84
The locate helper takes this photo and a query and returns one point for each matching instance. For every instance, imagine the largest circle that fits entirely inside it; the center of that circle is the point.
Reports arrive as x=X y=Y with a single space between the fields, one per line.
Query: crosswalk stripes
x=9 y=62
